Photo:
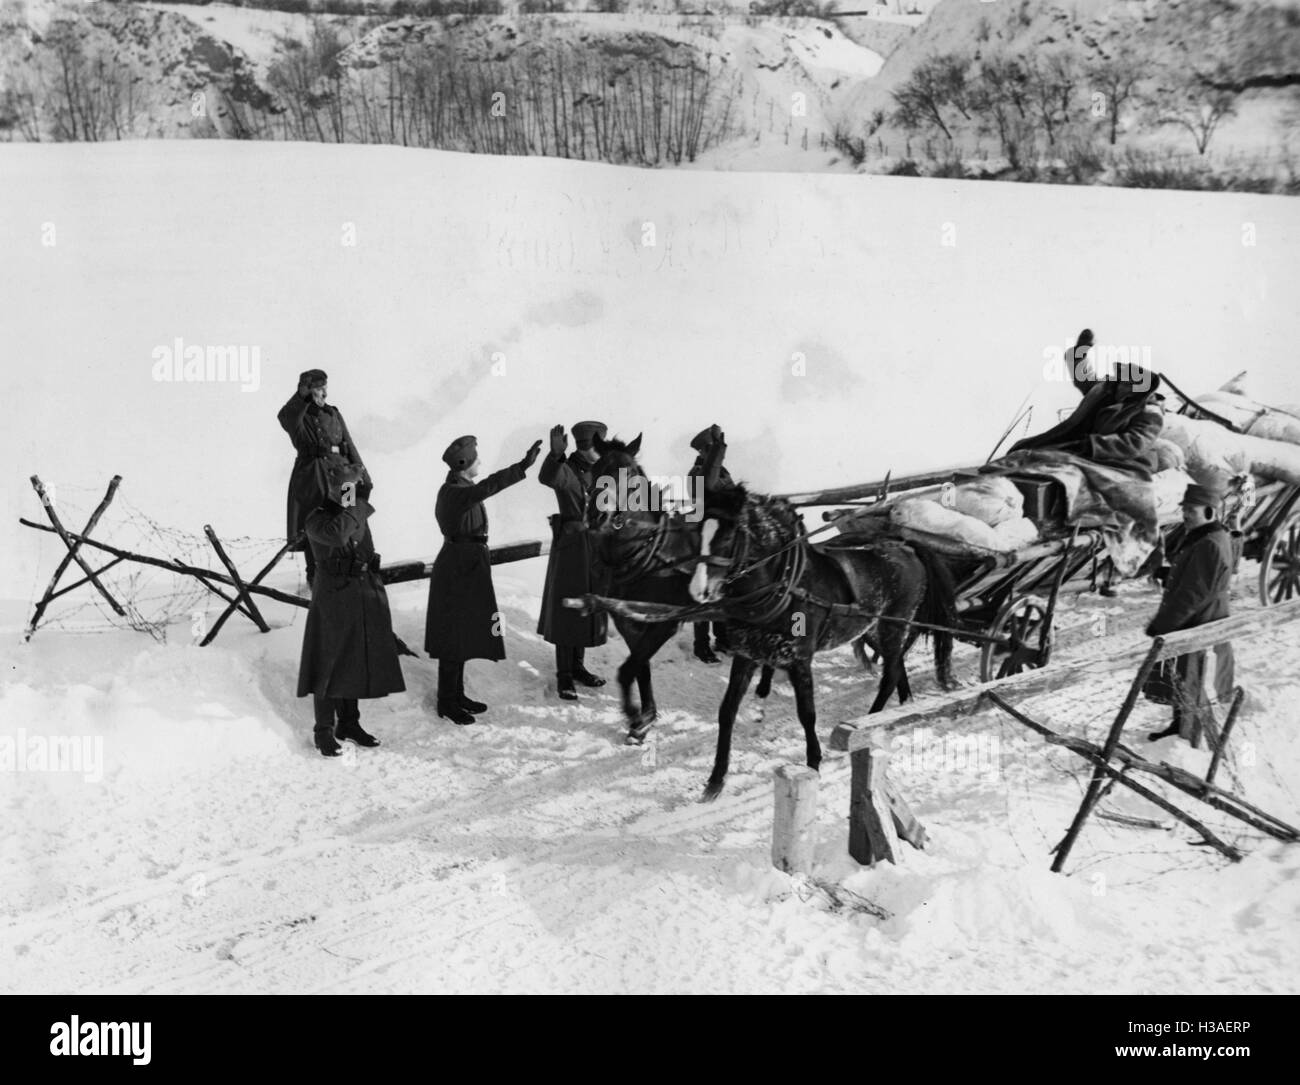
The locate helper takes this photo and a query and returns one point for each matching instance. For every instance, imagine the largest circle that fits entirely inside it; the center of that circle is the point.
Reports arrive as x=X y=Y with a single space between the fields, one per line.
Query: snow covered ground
x=215 y=850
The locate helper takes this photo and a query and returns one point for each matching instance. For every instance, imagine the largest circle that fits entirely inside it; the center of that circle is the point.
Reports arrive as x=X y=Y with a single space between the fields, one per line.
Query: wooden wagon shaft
x=178 y=567
x=639 y=611
x=1095 y=756
x=73 y=551
x=865 y=490
x=50 y=594
x=1185 y=781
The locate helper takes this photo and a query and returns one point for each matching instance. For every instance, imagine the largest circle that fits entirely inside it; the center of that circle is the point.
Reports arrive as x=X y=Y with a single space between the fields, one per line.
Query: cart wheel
x=1018 y=627
x=1279 y=573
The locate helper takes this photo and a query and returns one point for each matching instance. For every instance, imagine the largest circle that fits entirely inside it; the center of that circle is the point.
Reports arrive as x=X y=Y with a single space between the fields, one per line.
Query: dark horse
x=647 y=554
x=786 y=600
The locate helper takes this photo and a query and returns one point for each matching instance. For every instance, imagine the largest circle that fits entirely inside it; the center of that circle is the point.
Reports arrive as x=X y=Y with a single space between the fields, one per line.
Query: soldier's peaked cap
x=461 y=453
x=585 y=432
x=1196 y=494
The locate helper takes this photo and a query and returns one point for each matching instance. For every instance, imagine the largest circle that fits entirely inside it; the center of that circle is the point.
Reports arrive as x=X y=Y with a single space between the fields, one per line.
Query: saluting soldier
x=462 y=621
x=569 y=566
x=710 y=448
x=321 y=438
x=1197 y=589
x=348 y=648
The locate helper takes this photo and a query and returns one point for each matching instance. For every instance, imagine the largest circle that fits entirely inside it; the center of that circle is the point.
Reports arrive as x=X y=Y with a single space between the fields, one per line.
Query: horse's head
x=721 y=537
x=616 y=464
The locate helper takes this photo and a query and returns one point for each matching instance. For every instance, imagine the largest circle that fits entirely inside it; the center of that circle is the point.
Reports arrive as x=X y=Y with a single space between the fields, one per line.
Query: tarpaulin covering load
x=1215 y=454
x=1120 y=504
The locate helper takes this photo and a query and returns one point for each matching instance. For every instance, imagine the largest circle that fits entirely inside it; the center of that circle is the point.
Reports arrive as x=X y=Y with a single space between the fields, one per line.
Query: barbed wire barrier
x=142 y=591
x=156 y=576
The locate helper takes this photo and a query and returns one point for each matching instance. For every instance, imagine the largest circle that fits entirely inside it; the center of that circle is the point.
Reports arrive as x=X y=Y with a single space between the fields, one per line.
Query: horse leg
x=764 y=686
x=742 y=673
x=891 y=654
x=632 y=634
x=627 y=671
x=860 y=651
x=805 y=703
x=655 y=638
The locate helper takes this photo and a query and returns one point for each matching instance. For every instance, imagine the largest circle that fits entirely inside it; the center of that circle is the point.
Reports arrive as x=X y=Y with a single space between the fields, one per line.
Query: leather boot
x=581 y=675
x=323 y=732
x=349 y=726
x=564 y=687
x=450 y=689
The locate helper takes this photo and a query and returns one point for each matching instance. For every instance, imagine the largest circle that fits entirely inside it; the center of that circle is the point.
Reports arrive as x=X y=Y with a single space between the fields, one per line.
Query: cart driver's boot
x=702 y=650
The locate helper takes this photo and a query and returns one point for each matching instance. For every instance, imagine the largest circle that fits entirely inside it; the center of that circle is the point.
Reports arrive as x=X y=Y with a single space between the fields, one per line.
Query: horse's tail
x=938 y=607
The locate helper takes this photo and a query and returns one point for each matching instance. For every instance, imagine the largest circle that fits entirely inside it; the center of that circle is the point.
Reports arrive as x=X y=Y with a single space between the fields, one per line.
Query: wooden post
x=871 y=823
x=1101 y=770
x=1233 y=709
x=794 y=818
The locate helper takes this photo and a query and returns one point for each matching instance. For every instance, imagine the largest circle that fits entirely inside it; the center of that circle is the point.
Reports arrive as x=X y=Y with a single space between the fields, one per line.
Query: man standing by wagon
x=569 y=566
x=710 y=448
x=463 y=622
x=321 y=439
x=1196 y=593
x=348 y=648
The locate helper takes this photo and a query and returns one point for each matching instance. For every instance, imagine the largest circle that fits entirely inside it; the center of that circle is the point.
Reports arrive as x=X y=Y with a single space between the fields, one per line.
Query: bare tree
x=1191 y=100
x=937 y=84
x=1000 y=99
x=1051 y=83
x=1116 y=80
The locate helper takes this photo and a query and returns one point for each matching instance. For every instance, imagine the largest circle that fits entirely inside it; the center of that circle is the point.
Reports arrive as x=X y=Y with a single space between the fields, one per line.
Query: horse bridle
x=768 y=601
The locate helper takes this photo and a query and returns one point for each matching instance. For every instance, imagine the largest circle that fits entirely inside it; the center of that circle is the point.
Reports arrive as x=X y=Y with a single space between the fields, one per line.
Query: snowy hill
x=823 y=322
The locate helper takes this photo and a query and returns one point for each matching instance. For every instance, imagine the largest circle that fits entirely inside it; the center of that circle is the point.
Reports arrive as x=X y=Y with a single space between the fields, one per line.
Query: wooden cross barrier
x=861 y=738
x=92 y=576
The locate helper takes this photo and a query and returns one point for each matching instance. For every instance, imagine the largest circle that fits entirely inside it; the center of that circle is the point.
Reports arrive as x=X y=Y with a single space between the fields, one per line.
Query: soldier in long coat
x=705 y=442
x=569 y=566
x=1116 y=424
x=321 y=439
x=348 y=648
x=463 y=622
x=1196 y=592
